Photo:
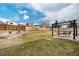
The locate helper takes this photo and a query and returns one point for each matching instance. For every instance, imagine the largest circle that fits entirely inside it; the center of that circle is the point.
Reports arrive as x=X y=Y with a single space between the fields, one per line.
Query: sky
x=37 y=12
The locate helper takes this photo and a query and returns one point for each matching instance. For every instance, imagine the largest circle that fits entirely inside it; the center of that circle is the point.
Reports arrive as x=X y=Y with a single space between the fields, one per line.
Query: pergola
x=74 y=26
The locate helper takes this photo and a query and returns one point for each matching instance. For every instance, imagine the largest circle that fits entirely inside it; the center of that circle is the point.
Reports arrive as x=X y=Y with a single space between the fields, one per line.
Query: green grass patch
x=42 y=44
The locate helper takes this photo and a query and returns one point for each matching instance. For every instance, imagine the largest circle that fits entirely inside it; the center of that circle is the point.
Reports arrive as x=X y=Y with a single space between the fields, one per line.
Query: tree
x=27 y=24
x=44 y=23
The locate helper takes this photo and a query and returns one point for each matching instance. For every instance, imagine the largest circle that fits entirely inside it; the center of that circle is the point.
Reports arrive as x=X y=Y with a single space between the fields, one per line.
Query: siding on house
x=29 y=28
x=33 y=28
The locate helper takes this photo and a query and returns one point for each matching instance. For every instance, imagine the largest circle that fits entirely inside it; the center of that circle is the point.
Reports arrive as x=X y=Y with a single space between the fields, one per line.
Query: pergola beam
x=74 y=27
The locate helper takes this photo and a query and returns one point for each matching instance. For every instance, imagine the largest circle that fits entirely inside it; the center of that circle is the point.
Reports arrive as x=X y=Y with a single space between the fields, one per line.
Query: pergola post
x=58 y=29
x=52 y=29
x=74 y=28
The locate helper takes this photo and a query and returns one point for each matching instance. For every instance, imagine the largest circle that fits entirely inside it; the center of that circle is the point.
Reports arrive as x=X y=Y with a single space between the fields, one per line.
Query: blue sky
x=12 y=11
x=37 y=12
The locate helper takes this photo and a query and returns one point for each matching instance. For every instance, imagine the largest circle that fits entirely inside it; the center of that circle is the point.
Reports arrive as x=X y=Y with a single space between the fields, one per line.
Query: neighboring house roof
x=11 y=23
x=7 y=21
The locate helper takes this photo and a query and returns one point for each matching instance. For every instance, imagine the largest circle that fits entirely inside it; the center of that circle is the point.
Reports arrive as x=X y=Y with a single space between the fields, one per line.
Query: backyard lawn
x=42 y=44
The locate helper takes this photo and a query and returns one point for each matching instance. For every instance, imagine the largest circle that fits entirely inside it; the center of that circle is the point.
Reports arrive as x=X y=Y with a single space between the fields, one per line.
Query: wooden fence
x=20 y=28
x=12 y=27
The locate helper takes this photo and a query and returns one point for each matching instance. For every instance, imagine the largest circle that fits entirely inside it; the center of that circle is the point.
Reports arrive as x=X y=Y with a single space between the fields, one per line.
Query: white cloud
x=4 y=20
x=58 y=11
x=22 y=12
x=36 y=24
x=50 y=10
x=37 y=6
x=26 y=17
x=15 y=19
x=70 y=12
x=22 y=23
x=45 y=7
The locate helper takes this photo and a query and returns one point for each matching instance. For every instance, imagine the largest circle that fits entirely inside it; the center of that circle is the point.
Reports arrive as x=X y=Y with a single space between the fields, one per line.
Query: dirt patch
x=3 y=37
x=11 y=41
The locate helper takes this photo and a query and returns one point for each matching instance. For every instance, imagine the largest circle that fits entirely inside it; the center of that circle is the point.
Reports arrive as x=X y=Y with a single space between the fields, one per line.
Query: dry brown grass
x=42 y=44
